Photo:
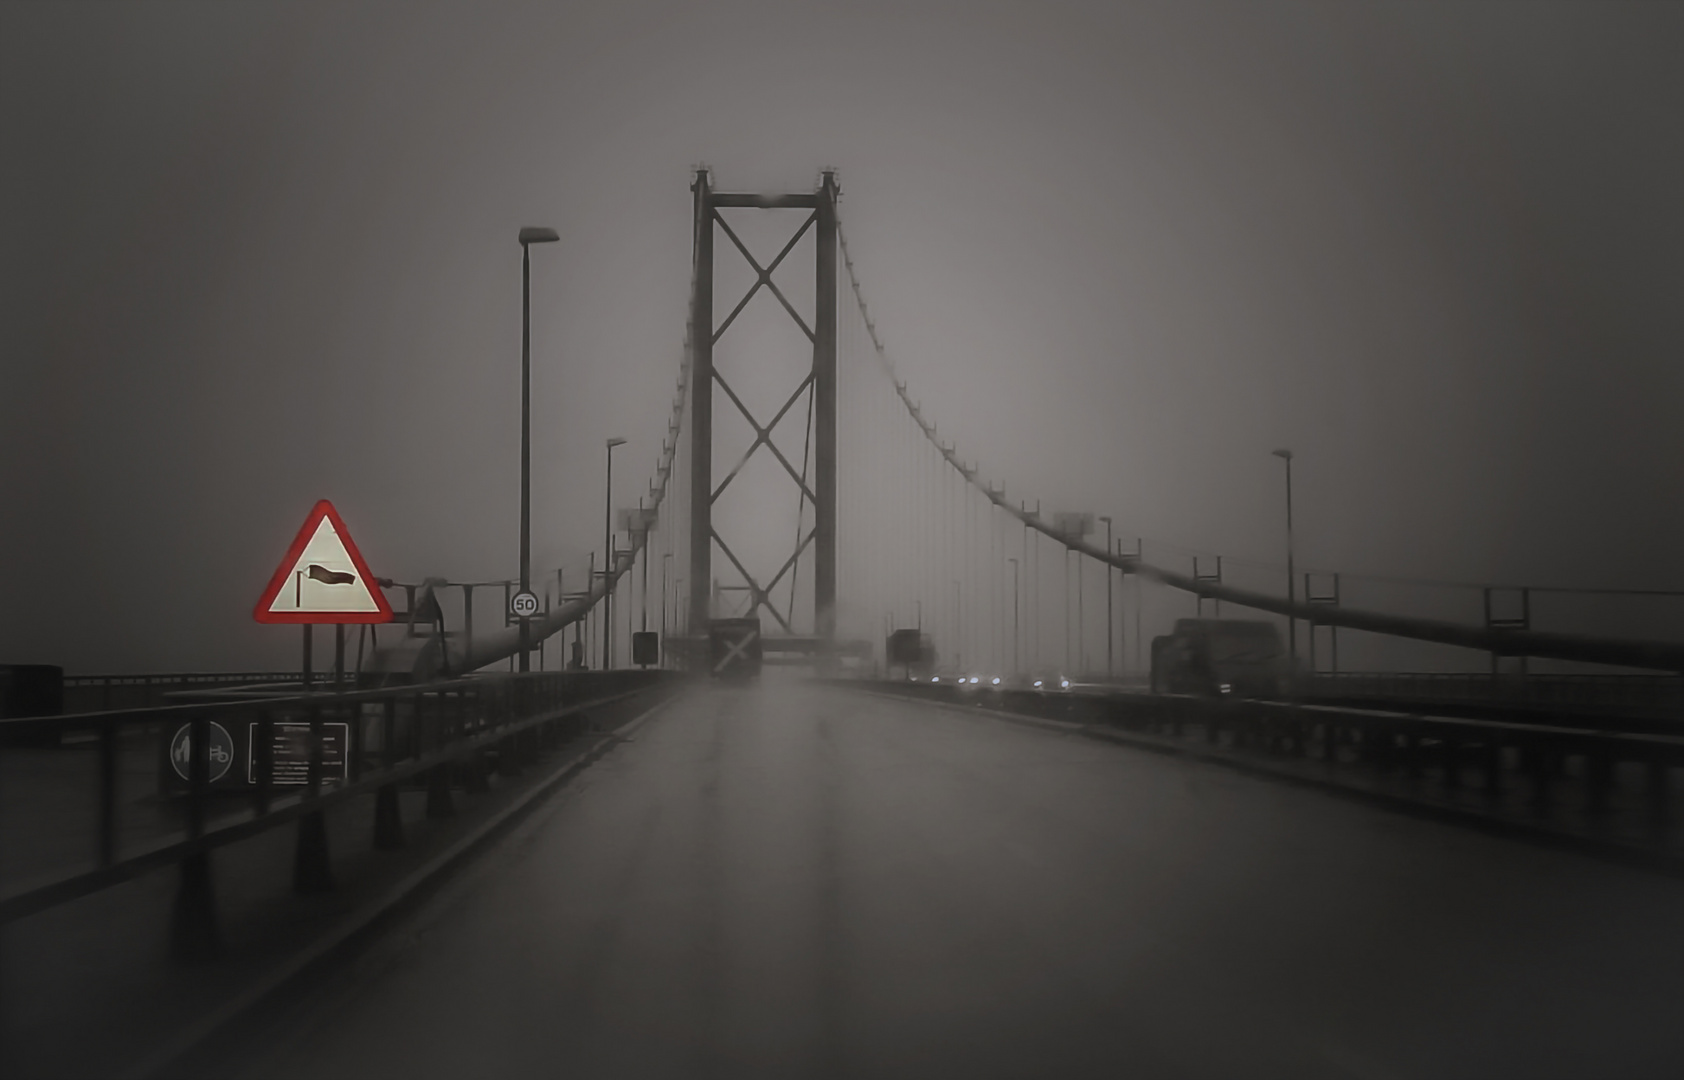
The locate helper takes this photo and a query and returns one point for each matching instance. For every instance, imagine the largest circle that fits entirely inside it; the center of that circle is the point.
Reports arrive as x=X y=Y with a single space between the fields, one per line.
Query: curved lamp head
x=537 y=234
x=1284 y=455
x=612 y=443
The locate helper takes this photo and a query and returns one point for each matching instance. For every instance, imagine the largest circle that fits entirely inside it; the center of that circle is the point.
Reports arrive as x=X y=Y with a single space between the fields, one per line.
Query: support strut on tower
x=821 y=383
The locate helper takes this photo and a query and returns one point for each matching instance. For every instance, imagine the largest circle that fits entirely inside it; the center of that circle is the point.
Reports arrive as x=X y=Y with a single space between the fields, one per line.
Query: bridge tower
x=821 y=379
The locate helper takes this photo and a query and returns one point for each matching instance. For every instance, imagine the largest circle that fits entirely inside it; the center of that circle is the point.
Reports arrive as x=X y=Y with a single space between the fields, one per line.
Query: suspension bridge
x=1008 y=801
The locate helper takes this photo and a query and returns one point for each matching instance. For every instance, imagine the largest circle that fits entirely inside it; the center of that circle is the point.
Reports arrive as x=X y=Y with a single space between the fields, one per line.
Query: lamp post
x=1066 y=609
x=528 y=236
x=1123 y=624
x=666 y=568
x=1023 y=509
x=643 y=525
x=608 y=559
x=1081 y=618
x=1291 y=585
x=1110 y=631
x=1017 y=668
x=958 y=621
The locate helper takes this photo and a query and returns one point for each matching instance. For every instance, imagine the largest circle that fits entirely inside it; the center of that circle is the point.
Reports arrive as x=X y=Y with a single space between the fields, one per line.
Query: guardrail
x=388 y=736
x=1542 y=766
x=103 y=693
x=1651 y=694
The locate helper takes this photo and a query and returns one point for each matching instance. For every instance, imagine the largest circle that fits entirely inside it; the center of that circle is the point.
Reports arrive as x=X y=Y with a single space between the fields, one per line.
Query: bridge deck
x=785 y=880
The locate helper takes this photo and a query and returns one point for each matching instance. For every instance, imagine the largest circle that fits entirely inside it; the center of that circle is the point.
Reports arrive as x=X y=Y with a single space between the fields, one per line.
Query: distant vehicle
x=1220 y=657
x=734 y=648
x=912 y=652
x=1046 y=680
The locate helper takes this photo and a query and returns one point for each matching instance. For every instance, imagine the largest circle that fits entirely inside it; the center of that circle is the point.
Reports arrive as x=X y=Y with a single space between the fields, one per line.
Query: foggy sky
x=257 y=254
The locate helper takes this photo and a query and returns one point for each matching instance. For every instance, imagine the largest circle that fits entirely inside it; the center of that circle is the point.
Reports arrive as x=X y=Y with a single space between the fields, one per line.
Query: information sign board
x=291 y=749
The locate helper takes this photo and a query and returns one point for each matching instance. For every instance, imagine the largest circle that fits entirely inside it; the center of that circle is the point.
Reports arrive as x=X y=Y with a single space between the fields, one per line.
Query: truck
x=912 y=651
x=734 y=648
x=1220 y=658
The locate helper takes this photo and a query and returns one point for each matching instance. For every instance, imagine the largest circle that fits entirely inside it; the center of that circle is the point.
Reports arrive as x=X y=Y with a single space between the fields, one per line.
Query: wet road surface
x=789 y=881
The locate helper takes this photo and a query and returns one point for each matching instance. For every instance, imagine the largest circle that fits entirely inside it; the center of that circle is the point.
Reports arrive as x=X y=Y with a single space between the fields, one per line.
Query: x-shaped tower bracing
x=820 y=383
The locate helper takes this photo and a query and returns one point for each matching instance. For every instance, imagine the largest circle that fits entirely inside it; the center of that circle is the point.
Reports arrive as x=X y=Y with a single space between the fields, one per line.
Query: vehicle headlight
x=935 y=678
x=1037 y=684
x=1064 y=683
x=996 y=680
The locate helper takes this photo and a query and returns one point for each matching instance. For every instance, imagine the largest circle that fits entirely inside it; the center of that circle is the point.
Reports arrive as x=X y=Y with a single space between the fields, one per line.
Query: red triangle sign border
x=322 y=509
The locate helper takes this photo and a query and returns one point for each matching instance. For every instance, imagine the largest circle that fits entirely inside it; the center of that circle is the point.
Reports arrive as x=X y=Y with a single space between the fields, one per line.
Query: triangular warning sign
x=323 y=578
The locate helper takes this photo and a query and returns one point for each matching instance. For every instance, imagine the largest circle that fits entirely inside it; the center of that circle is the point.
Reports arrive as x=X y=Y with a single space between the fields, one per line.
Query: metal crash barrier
x=1548 y=760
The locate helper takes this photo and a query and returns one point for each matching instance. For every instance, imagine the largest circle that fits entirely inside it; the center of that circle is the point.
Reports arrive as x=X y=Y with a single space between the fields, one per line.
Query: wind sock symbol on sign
x=318 y=572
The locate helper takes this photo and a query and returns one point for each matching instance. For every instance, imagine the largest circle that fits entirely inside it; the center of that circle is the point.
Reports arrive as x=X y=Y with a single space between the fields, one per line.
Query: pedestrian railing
x=291 y=758
x=103 y=693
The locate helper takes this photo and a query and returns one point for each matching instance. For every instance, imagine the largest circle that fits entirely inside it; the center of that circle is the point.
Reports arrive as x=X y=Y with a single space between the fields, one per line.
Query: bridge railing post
x=430 y=727
x=194 y=934
x=108 y=792
x=262 y=751
x=388 y=814
x=312 y=871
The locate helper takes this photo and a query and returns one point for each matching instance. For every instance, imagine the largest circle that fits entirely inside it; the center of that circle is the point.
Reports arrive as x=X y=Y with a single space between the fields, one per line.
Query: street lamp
x=1110 y=633
x=666 y=569
x=958 y=623
x=1066 y=569
x=1123 y=623
x=1017 y=667
x=528 y=236
x=643 y=525
x=1291 y=585
x=1081 y=617
x=608 y=559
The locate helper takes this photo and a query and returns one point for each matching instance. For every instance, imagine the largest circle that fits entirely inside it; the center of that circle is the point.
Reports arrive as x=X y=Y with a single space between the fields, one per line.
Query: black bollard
x=1659 y=795
x=194 y=934
x=1493 y=769
x=1599 y=774
x=388 y=819
x=312 y=872
x=474 y=780
x=439 y=804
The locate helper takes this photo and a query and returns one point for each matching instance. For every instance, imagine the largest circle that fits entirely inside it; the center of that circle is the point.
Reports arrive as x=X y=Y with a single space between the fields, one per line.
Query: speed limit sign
x=524 y=605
